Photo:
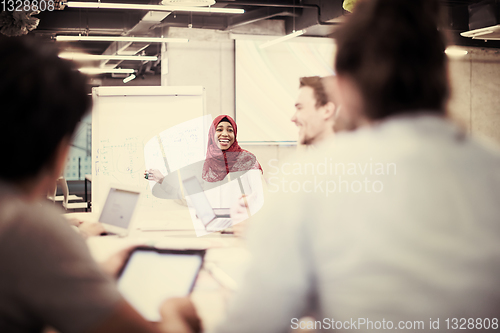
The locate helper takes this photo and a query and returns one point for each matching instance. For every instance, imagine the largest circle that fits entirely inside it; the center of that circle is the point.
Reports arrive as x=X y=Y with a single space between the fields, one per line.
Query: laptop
x=119 y=209
x=212 y=220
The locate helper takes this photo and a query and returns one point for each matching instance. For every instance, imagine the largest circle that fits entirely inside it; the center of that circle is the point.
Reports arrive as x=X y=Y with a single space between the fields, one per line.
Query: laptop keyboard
x=219 y=224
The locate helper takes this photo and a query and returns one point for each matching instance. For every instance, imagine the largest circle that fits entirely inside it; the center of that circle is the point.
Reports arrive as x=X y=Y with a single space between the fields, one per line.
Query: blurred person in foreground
x=342 y=122
x=417 y=245
x=48 y=275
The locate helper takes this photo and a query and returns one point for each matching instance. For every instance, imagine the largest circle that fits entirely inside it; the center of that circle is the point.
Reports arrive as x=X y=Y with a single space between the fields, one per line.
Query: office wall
x=208 y=60
x=475 y=100
x=270 y=155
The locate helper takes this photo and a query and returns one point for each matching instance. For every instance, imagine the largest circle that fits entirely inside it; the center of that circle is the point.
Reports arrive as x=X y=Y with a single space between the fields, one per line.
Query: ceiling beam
x=88 y=20
x=318 y=17
x=142 y=28
x=257 y=15
x=194 y=21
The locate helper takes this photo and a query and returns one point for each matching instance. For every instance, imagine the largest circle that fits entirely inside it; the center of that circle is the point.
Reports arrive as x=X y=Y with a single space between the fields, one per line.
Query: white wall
x=208 y=60
x=475 y=99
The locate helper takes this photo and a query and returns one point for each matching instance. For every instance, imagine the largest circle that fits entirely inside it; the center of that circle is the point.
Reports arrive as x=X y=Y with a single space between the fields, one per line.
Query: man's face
x=307 y=117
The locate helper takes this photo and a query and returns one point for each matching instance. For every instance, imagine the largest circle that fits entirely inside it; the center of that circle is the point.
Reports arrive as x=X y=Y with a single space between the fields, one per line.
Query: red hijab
x=219 y=163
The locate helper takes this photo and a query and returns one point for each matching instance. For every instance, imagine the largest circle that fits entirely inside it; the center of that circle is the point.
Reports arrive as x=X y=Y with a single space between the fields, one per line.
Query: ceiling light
x=455 y=51
x=282 y=39
x=160 y=8
x=83 y=56
x=188 y=2
x=119 y=39
x=477 y=33
x=93 y=70
x=129 y=78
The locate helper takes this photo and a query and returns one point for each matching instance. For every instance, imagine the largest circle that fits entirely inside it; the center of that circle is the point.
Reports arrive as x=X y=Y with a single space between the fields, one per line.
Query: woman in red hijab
x=224 y=154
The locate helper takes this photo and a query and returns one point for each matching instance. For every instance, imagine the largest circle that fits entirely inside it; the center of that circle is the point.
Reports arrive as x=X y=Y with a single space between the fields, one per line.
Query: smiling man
x=314 y=112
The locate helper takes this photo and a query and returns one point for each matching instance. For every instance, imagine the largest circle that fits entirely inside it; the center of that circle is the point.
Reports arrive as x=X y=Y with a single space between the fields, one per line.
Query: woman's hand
x=155 y=175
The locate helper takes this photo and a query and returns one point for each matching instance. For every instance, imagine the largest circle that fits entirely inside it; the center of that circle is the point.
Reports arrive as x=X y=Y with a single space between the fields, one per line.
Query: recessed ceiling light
x=455 y=51
x=119 y=39
x=129 y=78
x=188 y=3
x=84 y=56
x=93 y=70
x=160 y=8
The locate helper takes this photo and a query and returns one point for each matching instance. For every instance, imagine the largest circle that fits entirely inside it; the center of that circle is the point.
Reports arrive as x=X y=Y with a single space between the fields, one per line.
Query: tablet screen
x=151 y=276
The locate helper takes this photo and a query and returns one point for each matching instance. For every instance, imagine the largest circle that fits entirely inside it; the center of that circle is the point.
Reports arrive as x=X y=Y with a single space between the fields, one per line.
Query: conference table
x=224 y=265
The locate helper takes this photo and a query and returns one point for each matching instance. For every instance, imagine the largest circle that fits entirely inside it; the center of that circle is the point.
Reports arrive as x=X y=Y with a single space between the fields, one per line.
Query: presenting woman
x=227 y=173
x=224 y=154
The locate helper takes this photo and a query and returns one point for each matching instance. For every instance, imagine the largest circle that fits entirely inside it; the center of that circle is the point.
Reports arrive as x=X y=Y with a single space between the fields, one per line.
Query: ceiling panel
x=319 y=17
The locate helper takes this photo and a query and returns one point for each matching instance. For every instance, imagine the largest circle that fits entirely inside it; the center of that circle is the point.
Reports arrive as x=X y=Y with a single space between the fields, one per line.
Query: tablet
x=150 y=276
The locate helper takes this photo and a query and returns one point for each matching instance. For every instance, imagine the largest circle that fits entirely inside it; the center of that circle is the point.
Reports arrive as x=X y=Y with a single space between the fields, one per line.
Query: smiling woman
x=229 y=176
x=225 y=160
x=224 y=134
x=224 y=154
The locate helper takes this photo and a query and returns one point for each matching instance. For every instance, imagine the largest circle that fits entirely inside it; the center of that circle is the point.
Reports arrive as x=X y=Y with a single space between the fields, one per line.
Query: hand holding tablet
x=150 y=276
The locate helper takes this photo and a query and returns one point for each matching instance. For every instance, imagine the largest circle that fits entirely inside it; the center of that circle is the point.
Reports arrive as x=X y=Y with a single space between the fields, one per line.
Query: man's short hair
x=315 y=83
x=42 y=100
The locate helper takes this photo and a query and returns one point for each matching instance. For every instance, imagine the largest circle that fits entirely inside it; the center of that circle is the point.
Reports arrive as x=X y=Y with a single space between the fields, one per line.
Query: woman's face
x=224 y=135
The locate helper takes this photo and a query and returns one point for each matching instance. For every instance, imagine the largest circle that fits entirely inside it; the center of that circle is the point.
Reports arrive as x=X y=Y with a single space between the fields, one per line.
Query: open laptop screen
x=119 y=207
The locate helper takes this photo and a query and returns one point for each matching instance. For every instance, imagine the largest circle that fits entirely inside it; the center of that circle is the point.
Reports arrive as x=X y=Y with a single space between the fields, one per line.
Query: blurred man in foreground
x=48 y=276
